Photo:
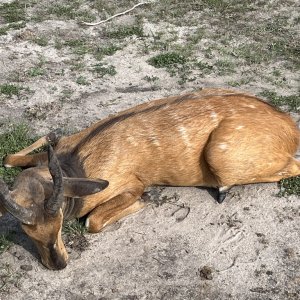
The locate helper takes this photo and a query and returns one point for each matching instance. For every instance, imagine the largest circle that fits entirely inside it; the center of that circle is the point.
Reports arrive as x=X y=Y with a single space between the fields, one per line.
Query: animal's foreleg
x=113 y=210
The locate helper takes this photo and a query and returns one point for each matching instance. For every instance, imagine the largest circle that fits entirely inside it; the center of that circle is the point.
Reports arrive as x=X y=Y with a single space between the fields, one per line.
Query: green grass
x=81 y=80
x=166 y=60
x=36 y=71
x=74 y=227
x=267 y=40
x=160 y=41
x=111 y=7
x=63 y=10
x=243 y=81
x=58 y=43
x=3 y=30
x=13 y=26
x=224 y=67
x=290 y=186
x=204 y=67
x=41 y=41
x=101 y=70
x=109 y=50
x=66 y=94
x=292 y=102
x=5 y=242
x=122 y=32
x=175 y=63
x=10 y=89
x=13 y=12
x=83 y=46
x=77 y=65
x=10 y=142
x=151 y=79
x=79 y=46
x=70 y=10
x=174 y=11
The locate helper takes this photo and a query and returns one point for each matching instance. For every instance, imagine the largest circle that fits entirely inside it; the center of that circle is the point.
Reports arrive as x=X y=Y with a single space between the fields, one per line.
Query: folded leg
x=113 y=210
x=21 y=159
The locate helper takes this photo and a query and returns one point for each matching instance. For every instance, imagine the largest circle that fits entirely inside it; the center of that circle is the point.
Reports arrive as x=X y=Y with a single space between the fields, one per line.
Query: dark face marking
x=57 y=261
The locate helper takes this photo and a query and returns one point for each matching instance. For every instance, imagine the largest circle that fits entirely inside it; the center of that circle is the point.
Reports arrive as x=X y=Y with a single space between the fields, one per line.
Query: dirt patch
x=56 y=72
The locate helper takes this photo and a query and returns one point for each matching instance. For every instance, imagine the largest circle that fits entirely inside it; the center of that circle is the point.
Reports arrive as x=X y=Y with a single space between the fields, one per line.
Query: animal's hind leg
x=51 y=137
x=113 y=210
x=25 y=160
x=290 y=170
x=235 y=155
x=222 y=193
x=21 y=159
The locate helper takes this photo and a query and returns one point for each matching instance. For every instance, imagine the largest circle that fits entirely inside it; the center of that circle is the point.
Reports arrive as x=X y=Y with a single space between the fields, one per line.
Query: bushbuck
x=212 y=138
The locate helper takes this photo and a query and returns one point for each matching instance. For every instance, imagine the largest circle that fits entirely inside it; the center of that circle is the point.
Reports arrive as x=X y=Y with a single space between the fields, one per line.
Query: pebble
x=26 y=267
x=206 y=273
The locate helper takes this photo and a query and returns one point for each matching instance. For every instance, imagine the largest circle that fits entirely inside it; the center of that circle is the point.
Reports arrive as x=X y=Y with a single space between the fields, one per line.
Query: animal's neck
x=70 y=208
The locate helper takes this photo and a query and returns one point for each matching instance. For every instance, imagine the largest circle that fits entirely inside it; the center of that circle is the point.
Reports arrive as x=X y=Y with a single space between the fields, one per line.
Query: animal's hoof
x=54 y=136
x=222 y=193
x=221 y=197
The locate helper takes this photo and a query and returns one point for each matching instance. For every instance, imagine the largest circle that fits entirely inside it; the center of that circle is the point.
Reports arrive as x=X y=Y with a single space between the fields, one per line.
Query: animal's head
x=37 y=200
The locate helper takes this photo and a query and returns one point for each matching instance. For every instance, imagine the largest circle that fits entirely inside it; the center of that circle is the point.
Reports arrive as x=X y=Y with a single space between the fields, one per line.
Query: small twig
x=117 y=15
x=158 y=260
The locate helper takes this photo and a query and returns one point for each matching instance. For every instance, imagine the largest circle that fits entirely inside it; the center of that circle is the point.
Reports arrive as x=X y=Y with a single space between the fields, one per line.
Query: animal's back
x=211 y=137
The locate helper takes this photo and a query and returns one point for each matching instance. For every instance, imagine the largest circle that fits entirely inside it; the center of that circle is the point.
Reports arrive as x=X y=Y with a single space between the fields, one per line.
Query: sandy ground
x=183 y=245
x=246 y=248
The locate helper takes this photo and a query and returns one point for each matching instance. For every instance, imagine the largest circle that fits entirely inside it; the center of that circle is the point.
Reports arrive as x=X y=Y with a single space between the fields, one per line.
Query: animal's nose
x=61 y=265
x=55 y=265
x=56 y=261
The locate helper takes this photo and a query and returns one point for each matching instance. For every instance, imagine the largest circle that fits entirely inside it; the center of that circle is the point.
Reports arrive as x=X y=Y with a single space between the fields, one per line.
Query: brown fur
x=212 y=138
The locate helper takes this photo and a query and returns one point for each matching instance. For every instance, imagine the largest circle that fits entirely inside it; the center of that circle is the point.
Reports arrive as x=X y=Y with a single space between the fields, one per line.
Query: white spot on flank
x=282 y=173
x=157 y=143
x=184 y=135
x=213 y=115
x=154 y=140
x=132 y=140
x=240 y=127
x=223 y=146
x=250 y=105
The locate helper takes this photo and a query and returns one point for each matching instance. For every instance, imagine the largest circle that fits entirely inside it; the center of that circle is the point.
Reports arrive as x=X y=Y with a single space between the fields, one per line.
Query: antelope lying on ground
x=212 y=138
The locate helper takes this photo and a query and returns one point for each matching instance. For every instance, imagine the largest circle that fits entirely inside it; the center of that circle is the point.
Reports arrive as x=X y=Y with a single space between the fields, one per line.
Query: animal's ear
x=80 y=187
